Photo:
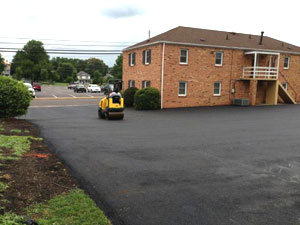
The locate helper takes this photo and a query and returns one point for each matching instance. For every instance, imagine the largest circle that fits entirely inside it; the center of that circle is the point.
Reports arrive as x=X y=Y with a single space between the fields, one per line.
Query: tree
x=79 y=64
x=2 y=65
x=67 y=72
x=17 y=60
x=31 y=60
x=44 y=74
x=53 y=76
x=117 y=68
x=96 y=79
x=94 y=65
x=18 y=74
x=34 y=51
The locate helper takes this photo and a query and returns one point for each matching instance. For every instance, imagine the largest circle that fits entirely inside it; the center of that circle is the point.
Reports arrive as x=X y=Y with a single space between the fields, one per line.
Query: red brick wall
x=291 y=75
x=141 y=72
x=201 y=73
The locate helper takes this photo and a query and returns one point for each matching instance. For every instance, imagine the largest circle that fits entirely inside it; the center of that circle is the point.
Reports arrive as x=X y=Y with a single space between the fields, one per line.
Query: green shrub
x=129 y=96
x=14 y=98
x=147 y=99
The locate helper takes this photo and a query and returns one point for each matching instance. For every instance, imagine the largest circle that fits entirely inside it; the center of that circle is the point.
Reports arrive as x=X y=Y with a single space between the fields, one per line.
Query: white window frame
x=220 y=88
x=185 y=88
x=187 y=57
x=285 y=85
x=222 y=55
x=131 y=57
x=146 y=57
x=144 y=82
x=131 y=83
x=288 y=66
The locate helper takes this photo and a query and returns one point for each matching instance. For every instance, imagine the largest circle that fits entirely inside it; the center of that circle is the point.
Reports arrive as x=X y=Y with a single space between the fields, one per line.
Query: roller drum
x=115 y=115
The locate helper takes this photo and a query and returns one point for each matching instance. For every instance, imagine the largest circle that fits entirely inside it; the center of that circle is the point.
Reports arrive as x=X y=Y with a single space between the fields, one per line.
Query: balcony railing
x=260 y=72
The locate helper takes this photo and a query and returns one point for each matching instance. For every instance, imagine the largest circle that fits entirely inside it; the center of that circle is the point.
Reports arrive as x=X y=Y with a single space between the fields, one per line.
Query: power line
x=52 y=44
x=70 y=50
x=116 y=42
x=72 y=53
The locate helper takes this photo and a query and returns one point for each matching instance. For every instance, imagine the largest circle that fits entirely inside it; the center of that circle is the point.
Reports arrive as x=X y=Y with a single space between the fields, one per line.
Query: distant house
x=6 y=70
x=83 y=77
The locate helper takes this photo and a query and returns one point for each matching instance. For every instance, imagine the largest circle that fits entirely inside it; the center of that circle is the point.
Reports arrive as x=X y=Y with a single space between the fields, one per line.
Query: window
x=146 y=83
x=217 y=88
x=286 y=62
x=184 y=55
x=131 y=59
x=285 y=85
x=182 y=88
x=147 y=56
x=131 y=83
x=219 y=58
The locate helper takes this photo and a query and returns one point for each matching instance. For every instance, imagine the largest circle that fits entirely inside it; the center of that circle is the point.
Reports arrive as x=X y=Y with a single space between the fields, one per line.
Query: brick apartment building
x=196 y=67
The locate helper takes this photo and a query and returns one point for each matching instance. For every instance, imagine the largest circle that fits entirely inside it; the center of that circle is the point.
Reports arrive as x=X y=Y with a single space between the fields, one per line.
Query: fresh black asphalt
x=201 y=166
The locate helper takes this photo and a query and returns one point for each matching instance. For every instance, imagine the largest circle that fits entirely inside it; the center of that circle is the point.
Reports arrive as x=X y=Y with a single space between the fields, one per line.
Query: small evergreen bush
x=147 y=99
x=129 y=96
x=14 y=98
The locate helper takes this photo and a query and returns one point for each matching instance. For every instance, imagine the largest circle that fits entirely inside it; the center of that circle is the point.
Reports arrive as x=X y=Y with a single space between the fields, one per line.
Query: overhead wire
x=111 y=42
x=71 y=50
x=56 y=50
x=73 y=45
x=73 y=53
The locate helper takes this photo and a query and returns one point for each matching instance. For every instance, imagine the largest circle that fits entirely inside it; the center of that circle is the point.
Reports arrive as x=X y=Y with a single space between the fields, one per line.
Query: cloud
x=122 y=12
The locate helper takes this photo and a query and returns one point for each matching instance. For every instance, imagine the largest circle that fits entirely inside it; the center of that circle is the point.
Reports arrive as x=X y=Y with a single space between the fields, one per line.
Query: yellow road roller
x=111 y=107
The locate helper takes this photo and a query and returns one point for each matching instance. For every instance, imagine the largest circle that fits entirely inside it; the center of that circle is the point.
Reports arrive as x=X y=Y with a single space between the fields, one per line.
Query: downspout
x=232 y=84
x=162 y=76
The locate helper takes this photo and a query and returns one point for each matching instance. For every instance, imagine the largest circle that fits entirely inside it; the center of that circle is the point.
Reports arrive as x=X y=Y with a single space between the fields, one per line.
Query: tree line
x=33 y=63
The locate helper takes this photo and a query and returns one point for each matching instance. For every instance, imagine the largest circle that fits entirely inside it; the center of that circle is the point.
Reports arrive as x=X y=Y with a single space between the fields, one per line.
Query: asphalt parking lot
x=208 y=166
x=51 y=91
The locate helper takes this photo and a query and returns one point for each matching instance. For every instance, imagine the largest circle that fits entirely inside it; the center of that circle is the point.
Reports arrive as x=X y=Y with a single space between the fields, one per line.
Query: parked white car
x=30 y=89
x=94 y=88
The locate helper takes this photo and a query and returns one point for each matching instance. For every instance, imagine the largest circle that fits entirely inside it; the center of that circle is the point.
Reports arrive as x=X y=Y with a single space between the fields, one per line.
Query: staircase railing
x=290 y=87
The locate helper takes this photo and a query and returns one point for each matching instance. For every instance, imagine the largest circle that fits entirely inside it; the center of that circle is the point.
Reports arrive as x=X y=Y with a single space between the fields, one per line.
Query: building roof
x=219 y=39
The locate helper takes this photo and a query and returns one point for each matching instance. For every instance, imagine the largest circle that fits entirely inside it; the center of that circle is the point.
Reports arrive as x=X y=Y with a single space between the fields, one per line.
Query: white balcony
x=259 y=72
x=265 y=65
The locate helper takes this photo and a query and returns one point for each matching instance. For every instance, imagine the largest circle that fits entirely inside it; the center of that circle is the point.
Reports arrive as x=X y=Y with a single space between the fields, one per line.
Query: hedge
x=147 y=99
x=14 y=98
x=129 y=96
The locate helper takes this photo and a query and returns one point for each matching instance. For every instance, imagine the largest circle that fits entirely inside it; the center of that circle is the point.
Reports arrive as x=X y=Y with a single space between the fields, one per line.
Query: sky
x=115 y=24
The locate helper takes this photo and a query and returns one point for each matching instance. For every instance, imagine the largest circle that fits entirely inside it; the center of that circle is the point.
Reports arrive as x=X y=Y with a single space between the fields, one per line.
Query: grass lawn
x=35 y=183
x=73 y=208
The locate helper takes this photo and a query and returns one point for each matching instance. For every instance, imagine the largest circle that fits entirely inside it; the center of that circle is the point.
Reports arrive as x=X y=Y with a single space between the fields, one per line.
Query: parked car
x=80 y=88
x=71 y=86
x=30 y=89
x=94 y=88
x=37 y=86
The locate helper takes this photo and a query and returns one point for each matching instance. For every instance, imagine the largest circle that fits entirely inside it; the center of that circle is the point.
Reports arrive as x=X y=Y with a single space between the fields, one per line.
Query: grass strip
x=15 y=131
x=1 y=127
x=19 y=145
x=73 y=208
x=11 y=219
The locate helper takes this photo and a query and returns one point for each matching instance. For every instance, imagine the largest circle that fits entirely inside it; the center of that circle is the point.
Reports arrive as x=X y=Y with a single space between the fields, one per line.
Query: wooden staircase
x=283 y=93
